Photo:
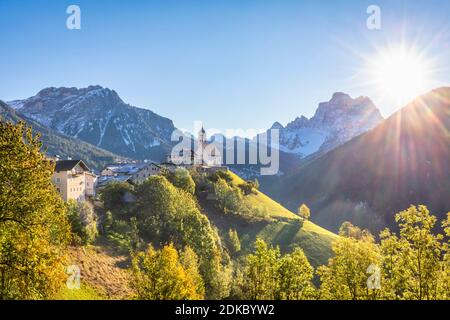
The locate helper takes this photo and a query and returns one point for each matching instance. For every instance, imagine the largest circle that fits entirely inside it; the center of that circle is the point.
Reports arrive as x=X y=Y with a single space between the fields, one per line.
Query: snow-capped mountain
x=334 y=123
x=55 y=143
x=98 y=116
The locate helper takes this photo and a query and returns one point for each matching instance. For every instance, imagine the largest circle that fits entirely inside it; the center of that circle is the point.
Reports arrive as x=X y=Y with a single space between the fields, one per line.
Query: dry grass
x=103 y=270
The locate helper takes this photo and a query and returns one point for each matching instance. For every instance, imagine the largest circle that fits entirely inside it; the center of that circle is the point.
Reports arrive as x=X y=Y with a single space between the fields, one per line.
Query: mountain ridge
x=56 y=143
x=334 y=123
x=402 y=161
x=100 y=117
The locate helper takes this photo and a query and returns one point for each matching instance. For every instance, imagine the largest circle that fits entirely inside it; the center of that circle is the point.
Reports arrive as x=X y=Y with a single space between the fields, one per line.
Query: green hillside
x=284 y=228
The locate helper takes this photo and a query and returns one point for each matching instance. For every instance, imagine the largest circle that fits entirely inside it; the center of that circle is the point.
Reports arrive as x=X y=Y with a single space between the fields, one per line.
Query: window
x=58 y=180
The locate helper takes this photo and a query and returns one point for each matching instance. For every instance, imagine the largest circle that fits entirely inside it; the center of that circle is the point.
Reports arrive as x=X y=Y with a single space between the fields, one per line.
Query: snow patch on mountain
x=334 y=123
x=99 y=116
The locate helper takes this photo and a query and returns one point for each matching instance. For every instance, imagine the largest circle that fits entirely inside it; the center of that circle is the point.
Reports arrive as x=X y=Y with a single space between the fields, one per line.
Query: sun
x=399 y=74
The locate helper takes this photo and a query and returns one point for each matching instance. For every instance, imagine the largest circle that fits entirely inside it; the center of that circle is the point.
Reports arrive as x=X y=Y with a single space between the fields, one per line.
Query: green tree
x=249 y=187
x=234 y=244
x=444 y=284
x=135 y=240
x=260 y=272
x=83 y=222
x=295 y=277
x=189 y=261
x=159 y=275
x=117 y=198
x=412 y=261
x=107 y=223
x=182 y=179
x=350 y=231
x=304 y=212
x=229 y=199
x=221 y=174
x=33 y=223
x=168 y=214
x=346 y=275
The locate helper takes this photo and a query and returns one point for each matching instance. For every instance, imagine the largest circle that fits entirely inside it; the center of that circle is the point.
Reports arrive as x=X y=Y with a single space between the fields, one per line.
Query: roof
x=107 y=179
x=129 y=168
x=67 y=165
x=165 y=164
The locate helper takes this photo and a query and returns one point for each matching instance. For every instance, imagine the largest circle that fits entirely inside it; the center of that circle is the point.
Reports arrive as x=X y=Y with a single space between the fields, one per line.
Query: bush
x=249 y=187
x=221 y=174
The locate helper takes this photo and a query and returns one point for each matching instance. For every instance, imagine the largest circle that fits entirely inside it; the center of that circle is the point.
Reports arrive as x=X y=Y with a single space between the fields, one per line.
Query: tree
x=249 y=187
x=182 y=179
x=229 y=199
x=350 y=231
x=412 y=261
x=221 y=174
x=168 y=214
x=444 y=284
x=304 y=212
x=107 y=223
x=234 y=244
x=159 y=275
x=33 y=223
x=189 y=261
x=117 y=198
x=346 y=275
x=294 y=276
x=83 y=222
x=260 y=272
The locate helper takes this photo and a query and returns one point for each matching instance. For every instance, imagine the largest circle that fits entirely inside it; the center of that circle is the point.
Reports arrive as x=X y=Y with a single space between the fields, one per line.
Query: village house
x=74 y=180
x=136 y=173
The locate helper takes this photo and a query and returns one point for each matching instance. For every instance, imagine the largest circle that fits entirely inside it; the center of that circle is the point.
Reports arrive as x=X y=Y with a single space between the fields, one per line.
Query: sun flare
x=399 y=74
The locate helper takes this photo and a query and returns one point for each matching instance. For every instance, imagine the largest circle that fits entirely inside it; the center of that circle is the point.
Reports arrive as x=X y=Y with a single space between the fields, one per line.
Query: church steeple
x=202 y=136
x=201 y=145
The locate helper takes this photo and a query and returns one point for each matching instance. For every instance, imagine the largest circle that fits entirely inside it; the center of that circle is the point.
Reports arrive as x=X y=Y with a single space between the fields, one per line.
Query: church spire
x=202 y=136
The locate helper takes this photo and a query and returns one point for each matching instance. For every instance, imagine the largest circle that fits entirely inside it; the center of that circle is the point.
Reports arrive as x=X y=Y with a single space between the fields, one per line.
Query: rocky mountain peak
x=342 y=108
x=100 y=117
x=277 y=125
x=334 y=122
x=340 y=98
x=72 y=93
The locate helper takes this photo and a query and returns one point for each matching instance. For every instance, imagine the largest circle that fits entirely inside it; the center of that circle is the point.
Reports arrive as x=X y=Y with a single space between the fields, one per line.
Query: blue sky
x=229 y=63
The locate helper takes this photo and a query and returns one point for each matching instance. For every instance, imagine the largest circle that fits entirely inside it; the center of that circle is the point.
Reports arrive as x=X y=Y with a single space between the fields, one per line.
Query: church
x=203 y=154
